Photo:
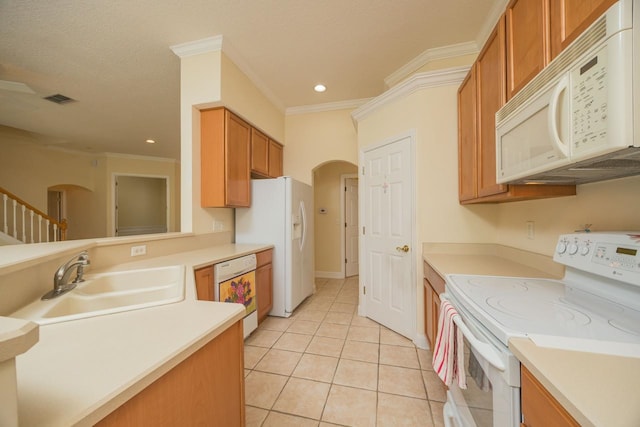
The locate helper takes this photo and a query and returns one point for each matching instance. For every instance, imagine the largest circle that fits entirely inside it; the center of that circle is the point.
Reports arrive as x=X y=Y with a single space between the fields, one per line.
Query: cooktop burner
x=536 y=310
x=514 y=306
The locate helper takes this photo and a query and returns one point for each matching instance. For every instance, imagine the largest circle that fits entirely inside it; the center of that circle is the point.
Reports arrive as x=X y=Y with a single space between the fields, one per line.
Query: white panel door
x=351 y=226
x=388 y=279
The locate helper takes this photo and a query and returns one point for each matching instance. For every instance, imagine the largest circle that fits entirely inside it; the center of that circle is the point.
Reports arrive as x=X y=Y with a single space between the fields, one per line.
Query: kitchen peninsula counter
x=596 y=389
x=82 y=370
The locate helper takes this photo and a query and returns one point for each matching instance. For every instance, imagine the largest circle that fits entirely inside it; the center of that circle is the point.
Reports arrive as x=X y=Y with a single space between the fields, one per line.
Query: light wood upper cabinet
x=490 y=80
x=266 y=156
x=527 y=32
x=539 y=407
x=225 y=162
x=275 y=159
x=467 y=159
x=259 y=152
x=569 y=18
x=480 y=96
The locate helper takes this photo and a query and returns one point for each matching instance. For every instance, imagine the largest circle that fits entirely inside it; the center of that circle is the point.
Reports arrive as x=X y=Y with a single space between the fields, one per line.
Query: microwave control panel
x=589 y=102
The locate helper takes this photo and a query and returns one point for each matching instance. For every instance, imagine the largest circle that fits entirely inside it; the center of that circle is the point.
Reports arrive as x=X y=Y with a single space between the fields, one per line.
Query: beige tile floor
x=327 y=366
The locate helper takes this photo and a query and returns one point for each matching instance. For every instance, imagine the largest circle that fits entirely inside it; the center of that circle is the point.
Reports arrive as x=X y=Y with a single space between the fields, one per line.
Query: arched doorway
x=335 y=201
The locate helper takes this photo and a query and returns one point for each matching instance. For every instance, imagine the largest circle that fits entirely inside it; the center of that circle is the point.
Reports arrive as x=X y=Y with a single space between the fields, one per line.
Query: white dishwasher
x=235 y=281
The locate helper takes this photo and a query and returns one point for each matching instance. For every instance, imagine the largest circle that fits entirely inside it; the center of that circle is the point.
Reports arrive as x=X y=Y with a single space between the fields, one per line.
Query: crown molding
x=330 y=106
x=196 y=47
x=413 y=84
x=139 y=157
x=218 y=43
x=243 y=66
x=492 y=18
x=427 y=56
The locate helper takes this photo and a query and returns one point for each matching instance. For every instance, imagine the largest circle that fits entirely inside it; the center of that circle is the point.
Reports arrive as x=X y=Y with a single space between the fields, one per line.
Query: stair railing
x=28 y=224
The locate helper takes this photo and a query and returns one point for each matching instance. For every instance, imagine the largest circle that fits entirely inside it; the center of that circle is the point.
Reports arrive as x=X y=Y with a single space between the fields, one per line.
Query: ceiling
x=114 y=58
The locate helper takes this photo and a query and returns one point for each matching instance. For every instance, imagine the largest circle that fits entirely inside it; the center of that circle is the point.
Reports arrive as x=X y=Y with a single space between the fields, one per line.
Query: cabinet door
x=264 y=283
x=259 y=152
x=264 y=290
x=527 y=42
x=237 y=161
x=204 y=283
x=206 y=389
x=491 y=69
x=275 y=159
x=432 y=312
x=569 y=18
x=539 y=407
x=467 y=126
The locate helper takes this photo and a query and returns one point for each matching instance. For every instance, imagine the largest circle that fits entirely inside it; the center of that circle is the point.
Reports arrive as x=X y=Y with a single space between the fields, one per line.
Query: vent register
x=59 y=99
x=619 y=164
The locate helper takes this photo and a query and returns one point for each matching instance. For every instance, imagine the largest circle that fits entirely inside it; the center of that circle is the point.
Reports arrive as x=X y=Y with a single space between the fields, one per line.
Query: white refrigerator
x=281 y=214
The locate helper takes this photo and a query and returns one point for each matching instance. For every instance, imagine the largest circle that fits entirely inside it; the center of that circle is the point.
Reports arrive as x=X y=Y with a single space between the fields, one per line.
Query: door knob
x=404 y=248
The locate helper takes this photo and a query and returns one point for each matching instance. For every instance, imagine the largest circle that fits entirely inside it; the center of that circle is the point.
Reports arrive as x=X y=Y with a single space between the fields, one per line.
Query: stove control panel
x=614 y=255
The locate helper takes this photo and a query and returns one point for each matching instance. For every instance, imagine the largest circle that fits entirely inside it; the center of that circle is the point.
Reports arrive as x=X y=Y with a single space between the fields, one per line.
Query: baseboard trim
x=421 y=341
x=329 y=275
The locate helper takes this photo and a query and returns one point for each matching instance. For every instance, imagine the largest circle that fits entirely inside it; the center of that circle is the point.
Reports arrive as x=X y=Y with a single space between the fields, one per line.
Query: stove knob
x=561 y=248
x=584 y=250
x=573 y=249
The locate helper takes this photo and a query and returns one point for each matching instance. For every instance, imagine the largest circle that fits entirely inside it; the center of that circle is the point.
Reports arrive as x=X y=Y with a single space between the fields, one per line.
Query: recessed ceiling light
x=319 y=88
x=151 y=141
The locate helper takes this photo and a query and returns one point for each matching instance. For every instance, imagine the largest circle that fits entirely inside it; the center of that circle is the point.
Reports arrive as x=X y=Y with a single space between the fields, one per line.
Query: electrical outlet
x=531 y=231
x=218 y=225
x=138 y=250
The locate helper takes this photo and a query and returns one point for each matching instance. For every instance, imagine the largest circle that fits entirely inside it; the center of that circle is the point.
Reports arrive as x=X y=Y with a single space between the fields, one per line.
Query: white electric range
x=595 y=308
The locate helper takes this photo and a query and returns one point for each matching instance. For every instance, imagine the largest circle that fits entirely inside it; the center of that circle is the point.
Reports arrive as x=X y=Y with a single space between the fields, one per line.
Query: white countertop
x=596 y=389
x=82 y=370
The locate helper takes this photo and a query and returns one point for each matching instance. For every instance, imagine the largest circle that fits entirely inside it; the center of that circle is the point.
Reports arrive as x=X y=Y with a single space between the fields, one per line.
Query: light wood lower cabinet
x=539 y=407
x=205 y=389
x=264 y=283
x=204 y=283
x=433 y=287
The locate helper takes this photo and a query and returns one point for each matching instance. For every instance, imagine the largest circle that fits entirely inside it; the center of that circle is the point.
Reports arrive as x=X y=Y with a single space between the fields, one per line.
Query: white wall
x=608 y=205
x=316 y=138
x=28 y=170
x=328 y=194
x=211 y=79
x=431 y=114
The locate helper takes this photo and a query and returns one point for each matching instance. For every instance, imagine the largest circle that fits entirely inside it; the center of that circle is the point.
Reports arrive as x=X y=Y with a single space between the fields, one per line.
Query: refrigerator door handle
x=303 y=220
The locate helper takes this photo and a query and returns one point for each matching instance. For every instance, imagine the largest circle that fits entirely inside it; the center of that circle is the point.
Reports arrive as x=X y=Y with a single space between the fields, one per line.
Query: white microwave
x=578 y=120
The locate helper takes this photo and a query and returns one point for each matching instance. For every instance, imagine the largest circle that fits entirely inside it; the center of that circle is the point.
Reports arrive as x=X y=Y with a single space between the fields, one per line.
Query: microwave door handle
x=562 y=86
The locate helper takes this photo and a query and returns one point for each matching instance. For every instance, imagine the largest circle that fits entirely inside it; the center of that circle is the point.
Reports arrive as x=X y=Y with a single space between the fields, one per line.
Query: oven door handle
x=485 y=350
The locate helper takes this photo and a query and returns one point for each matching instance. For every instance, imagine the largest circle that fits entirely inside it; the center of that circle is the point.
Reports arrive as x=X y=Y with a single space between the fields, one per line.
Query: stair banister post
x=15 y=223
x=4 y=213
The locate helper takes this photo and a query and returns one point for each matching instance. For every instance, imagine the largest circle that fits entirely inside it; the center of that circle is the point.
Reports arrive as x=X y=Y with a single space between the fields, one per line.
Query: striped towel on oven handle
x=448 y=354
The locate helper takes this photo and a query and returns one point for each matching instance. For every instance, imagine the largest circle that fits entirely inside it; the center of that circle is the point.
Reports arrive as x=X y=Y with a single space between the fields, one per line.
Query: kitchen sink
x=108 y=293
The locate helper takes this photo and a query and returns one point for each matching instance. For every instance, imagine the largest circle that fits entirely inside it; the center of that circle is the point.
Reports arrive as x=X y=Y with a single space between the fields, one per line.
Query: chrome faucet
x=63 y=274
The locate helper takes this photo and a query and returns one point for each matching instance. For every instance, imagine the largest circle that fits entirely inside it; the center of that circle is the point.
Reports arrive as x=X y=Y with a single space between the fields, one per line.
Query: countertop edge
x=519 y=347
x=111 y=403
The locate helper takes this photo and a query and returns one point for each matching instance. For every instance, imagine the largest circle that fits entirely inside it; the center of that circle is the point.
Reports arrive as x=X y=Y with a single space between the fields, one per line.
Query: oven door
x=492 y=397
